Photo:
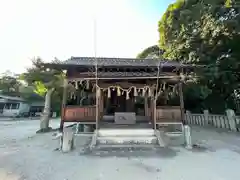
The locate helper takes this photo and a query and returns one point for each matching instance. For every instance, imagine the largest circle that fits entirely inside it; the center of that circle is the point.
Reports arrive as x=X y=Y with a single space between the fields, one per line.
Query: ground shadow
x=130 y=152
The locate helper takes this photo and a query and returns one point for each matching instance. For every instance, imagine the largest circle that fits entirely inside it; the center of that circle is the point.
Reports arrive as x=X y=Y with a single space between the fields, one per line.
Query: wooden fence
x=79 y=114
x=228 y=121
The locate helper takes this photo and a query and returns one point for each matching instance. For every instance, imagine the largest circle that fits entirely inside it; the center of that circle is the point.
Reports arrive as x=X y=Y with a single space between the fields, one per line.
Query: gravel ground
x=25 y=155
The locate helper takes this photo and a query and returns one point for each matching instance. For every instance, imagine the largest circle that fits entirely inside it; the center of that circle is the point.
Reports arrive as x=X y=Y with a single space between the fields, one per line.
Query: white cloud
x=64 y=28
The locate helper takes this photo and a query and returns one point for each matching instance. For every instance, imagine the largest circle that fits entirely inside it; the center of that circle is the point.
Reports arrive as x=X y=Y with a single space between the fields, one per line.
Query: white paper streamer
x=135 y=91
x=87 y=84
x=109 y=92
x=118 y=92
x=127 y=94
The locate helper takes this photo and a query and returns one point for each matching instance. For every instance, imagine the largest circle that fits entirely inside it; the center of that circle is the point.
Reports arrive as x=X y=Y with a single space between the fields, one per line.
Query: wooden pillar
x=98 y=94
x=154 y=114
x=153 y=111
x=181 y=102
x=101 y=104
x=64 y=100
x=133 y=103
x=146 y=106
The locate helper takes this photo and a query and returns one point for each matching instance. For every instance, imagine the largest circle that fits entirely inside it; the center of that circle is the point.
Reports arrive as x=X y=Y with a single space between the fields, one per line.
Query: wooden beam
x=146 y=105
x=166 y=77
x=154 y=109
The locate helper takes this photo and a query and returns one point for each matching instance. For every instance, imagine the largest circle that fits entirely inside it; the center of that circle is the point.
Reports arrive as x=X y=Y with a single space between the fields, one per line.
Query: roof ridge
x=124 y=58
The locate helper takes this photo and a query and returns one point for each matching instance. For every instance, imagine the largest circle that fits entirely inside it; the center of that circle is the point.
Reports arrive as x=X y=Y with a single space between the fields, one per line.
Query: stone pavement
x=25 y=155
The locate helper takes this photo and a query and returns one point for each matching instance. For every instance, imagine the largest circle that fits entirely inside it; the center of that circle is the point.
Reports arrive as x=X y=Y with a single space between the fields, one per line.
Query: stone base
x=125 y=118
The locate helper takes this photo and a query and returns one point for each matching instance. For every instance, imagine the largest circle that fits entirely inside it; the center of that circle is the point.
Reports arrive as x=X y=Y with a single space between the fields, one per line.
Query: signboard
x=125 y=117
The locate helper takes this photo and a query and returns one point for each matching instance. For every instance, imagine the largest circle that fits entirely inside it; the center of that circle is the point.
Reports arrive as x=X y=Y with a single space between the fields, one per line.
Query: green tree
x=45 y=82
x=206 y=33
x=150 y=52
x=9 y=85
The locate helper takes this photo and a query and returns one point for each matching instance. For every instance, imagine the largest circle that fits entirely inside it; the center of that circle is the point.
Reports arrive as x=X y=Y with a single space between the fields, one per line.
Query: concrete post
x=206 y=117
x=187 y=137
x=67 y=139
x=231 y=119
x=188 y=117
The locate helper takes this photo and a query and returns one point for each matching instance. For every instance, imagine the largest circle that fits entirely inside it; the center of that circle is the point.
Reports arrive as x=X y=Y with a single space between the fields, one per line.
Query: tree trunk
x=44 y=122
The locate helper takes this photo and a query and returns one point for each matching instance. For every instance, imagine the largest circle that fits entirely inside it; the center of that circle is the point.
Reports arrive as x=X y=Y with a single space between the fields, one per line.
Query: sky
x=65 y=28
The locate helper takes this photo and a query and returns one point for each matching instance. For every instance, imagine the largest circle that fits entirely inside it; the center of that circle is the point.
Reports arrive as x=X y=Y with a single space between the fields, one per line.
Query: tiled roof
x=11 y=98
x=91 y=61
x=120 y=74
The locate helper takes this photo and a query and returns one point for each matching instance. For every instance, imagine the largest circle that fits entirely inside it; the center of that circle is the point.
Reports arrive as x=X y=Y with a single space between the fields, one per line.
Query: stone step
x=126 y=132
x=127 y=140
x=126 y=146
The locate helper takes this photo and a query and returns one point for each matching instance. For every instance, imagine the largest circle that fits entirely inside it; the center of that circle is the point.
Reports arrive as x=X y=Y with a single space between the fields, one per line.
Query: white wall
x=15 y=111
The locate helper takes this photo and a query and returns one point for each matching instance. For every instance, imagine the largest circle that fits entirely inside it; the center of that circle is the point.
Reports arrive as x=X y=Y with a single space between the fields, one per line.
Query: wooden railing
x=79 y=114
x=168 y=114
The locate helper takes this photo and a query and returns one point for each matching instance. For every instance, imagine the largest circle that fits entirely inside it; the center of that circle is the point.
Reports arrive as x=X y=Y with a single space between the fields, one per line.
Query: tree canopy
x=11 y=85
x=42 y=80
x=205 y=32
x=150 y=52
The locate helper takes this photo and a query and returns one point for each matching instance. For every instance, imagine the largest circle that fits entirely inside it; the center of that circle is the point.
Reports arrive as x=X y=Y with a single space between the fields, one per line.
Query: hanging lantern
x=118 y=91
x=109 y=92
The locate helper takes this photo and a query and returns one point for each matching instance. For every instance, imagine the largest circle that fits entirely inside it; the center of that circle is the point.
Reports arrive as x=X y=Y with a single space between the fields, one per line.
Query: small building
x=17 y=107
x=106 y=91
x=12 y=106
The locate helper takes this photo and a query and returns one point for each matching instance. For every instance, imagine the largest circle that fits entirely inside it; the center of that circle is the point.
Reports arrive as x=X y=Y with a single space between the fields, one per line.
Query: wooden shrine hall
x=121 y=91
